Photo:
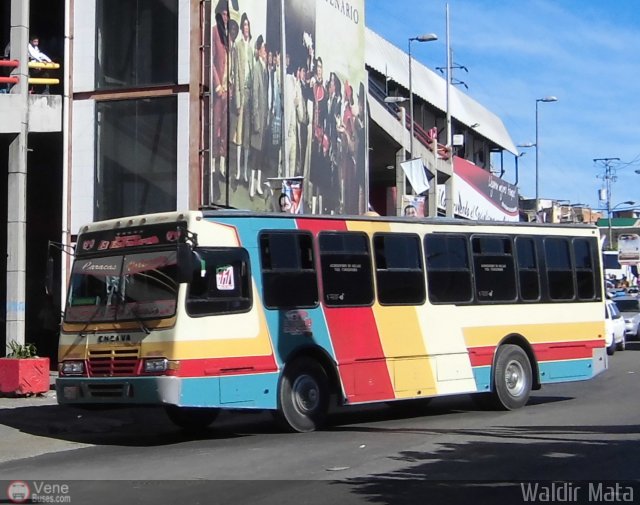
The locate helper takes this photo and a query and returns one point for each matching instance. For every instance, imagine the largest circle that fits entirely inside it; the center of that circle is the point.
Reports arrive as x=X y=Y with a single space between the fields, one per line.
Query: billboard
x=288 y=95
x=480 y=195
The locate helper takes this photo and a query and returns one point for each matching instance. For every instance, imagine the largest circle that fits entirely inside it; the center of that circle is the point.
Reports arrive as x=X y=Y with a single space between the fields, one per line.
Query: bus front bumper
x=258 y=391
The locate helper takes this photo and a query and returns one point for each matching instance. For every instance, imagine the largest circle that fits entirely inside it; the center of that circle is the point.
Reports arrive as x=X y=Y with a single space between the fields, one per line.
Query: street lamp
x=609 y=211
x=546 y=99
x=428 y=37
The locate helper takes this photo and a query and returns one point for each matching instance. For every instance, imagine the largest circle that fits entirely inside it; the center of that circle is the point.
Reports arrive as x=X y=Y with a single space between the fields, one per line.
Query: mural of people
x=272 y=91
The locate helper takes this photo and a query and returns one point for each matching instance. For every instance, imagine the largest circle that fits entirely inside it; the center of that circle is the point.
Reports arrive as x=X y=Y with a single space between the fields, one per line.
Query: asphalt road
x=449 y=450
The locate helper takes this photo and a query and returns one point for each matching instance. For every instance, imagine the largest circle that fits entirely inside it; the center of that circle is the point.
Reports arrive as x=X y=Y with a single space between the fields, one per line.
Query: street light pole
x=420 y=38
x=608 y=177
x=546 y=99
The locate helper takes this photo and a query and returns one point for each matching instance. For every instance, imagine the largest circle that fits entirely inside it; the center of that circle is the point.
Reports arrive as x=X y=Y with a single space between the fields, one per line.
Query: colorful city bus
x=201 y=311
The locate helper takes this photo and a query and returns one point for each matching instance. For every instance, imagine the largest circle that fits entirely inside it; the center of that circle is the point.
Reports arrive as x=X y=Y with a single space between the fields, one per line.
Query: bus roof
x=209 y=214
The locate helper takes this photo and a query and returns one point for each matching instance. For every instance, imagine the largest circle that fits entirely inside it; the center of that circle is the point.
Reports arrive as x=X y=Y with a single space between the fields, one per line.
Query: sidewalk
x=48 y=398
x=29 y=424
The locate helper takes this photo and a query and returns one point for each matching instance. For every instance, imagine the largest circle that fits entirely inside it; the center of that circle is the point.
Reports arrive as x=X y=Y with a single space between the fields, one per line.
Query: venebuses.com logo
x=20 y=491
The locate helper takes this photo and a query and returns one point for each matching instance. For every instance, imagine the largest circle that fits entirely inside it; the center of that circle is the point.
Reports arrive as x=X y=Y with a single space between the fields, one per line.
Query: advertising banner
x=480 y=195
x=288 y=100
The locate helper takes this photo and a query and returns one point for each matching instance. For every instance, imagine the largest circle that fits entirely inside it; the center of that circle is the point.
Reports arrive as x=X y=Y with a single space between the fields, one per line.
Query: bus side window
x=494 y=269
x=448 y=270
x=559 y=270
x=346 y=269
x=528 y=274
x=399 y=273
x=223 y=286
x=288 y=270
x=585 y=271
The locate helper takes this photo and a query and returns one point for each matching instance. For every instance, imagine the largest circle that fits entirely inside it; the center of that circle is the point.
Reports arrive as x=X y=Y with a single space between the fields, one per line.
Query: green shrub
x=17 y=350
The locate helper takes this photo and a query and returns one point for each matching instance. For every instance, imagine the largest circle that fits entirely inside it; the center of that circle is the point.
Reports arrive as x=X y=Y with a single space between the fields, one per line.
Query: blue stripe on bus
x=550 y=372
x=565 y=371
x=482 y=375
x=258 y=391
x=248 y=231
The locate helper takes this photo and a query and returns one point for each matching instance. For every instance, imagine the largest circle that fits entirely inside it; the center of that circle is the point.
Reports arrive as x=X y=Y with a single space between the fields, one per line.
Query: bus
x=613 y=269
x=201 y=311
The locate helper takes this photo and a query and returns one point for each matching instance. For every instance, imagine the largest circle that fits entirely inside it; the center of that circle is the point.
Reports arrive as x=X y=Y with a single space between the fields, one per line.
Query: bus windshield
x=125 y=287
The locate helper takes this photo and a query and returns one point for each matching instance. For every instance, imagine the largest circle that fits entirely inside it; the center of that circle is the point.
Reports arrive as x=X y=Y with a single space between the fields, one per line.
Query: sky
x=584 y=52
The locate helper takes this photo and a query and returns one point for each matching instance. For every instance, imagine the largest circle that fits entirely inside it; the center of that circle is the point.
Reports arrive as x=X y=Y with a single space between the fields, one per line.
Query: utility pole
x=608 y=176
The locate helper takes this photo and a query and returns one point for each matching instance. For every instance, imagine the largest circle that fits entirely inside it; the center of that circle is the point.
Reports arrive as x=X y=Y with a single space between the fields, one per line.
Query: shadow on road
x=514 y=456
x=150 y=426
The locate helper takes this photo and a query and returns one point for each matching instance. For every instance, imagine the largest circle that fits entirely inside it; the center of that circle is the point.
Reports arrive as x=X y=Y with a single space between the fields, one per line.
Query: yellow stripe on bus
x=535 y=333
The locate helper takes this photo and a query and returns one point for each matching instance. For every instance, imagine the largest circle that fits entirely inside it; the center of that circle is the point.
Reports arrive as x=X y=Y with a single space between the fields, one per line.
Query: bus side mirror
x=185 y=263
x=190 y=263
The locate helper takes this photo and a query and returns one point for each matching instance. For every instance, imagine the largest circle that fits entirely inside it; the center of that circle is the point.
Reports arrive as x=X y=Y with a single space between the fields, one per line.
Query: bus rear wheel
x=303 y=396
x=512 y=378
x=191 y=418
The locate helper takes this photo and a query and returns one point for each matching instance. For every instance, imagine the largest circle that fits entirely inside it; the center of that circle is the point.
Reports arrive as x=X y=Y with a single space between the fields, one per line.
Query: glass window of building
x=136 y=43
x=136 y=157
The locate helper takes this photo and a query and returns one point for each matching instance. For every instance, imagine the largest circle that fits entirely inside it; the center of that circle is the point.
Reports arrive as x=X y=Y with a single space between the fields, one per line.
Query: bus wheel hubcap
x=306 y=395
x=514 y=378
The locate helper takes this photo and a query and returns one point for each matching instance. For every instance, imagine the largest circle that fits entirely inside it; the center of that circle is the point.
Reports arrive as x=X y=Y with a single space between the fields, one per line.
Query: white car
x=614 y=328
x=629 y=307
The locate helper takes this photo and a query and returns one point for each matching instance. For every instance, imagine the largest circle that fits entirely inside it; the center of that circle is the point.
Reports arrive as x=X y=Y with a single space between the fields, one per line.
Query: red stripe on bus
x=239 y=365
x=557 y=351
x=355 y=338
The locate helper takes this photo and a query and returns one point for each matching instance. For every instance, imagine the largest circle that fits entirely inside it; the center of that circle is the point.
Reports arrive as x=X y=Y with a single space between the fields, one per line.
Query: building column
x=17 y=182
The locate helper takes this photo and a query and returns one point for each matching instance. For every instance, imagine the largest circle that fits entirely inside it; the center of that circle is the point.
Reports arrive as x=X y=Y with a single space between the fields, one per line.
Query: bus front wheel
x=512 y=378
x=303 y=396
x=191 y=418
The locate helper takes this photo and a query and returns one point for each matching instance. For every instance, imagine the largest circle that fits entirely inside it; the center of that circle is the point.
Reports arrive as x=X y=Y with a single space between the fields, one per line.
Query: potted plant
x=23 y=372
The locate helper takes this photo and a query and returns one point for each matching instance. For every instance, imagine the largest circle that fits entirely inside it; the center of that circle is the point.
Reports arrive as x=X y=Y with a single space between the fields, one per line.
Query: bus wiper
x=140 y=321
x=120 y=300
x=82 y=333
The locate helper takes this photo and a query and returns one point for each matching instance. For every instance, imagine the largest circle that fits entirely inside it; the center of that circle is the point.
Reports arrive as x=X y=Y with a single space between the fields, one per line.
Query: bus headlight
x=72 y=368
x=155 y=365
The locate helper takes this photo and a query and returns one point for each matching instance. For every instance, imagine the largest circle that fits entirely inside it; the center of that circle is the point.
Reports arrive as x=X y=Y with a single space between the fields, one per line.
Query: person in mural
x=320 y=142
x=259 y=116
x=306 y=131
x=220 y=81
x=276 y=117
x=332 y=184
x=296 y=120
x=243 y=59
x=349 y=197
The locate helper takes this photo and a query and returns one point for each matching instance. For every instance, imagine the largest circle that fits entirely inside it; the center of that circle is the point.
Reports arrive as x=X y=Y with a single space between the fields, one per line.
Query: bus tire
x=512 y=378
x=303 y=396
x=191 y=418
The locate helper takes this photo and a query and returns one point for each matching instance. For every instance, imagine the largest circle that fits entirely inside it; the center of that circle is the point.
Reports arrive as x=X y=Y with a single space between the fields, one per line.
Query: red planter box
x=24 y=376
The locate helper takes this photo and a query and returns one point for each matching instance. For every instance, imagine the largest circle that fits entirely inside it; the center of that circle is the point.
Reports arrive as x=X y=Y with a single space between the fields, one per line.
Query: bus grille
x=113 y=362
